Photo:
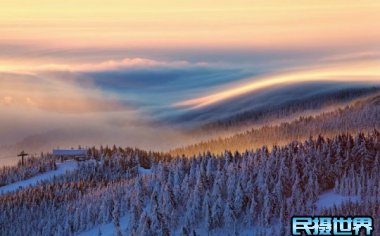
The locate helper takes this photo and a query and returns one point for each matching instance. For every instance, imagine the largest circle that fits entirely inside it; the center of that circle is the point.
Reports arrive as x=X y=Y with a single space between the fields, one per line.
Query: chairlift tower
x=22 y=155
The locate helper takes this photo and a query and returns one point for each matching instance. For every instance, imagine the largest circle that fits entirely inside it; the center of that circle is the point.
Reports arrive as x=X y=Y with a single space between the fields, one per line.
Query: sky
x=103 y=72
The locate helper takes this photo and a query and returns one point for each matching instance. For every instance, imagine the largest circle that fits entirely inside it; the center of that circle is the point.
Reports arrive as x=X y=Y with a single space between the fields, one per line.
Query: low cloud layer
x=147 y=103
x=108 y=103
x=351 y=72
x=128 y=71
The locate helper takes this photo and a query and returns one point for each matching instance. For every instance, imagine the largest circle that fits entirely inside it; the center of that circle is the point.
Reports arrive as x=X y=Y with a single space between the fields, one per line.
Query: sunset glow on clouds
x=368 y=72
x=109 y=66
x=242 y=23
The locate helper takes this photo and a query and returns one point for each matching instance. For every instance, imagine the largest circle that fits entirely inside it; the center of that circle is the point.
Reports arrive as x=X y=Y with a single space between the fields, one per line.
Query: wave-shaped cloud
x=129 y=101
x=98 y=103
x=357 y=72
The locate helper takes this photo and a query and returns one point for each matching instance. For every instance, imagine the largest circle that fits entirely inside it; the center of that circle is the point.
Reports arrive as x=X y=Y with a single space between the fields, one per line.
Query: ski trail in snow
x=62 y=168
x=107 y=229
x=329 y=199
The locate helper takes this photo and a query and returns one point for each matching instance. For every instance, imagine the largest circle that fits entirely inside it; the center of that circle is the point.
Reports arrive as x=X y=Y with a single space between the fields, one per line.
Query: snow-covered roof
x=70 y=152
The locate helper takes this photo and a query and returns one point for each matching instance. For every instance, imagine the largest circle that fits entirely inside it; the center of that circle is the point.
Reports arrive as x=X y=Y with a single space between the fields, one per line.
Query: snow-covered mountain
x=133 y=192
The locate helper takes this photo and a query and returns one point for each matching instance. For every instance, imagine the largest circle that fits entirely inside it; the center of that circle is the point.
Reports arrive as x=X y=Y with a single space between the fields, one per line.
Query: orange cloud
x=7 y=100
x=53 y=95
x=151 y=24
x=126 y=63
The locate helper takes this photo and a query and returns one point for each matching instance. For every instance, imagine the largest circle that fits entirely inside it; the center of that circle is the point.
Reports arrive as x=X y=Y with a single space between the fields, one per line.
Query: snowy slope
x=330 y=198
x=143 y=171
x=107 y=229
x=62 y=168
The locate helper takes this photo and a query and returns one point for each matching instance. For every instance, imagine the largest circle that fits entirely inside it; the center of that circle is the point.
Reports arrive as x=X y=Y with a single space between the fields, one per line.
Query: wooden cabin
x=67 y=154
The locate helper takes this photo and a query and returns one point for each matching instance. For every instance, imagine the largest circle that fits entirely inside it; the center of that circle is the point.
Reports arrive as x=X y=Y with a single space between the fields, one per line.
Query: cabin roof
x=70 y=152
